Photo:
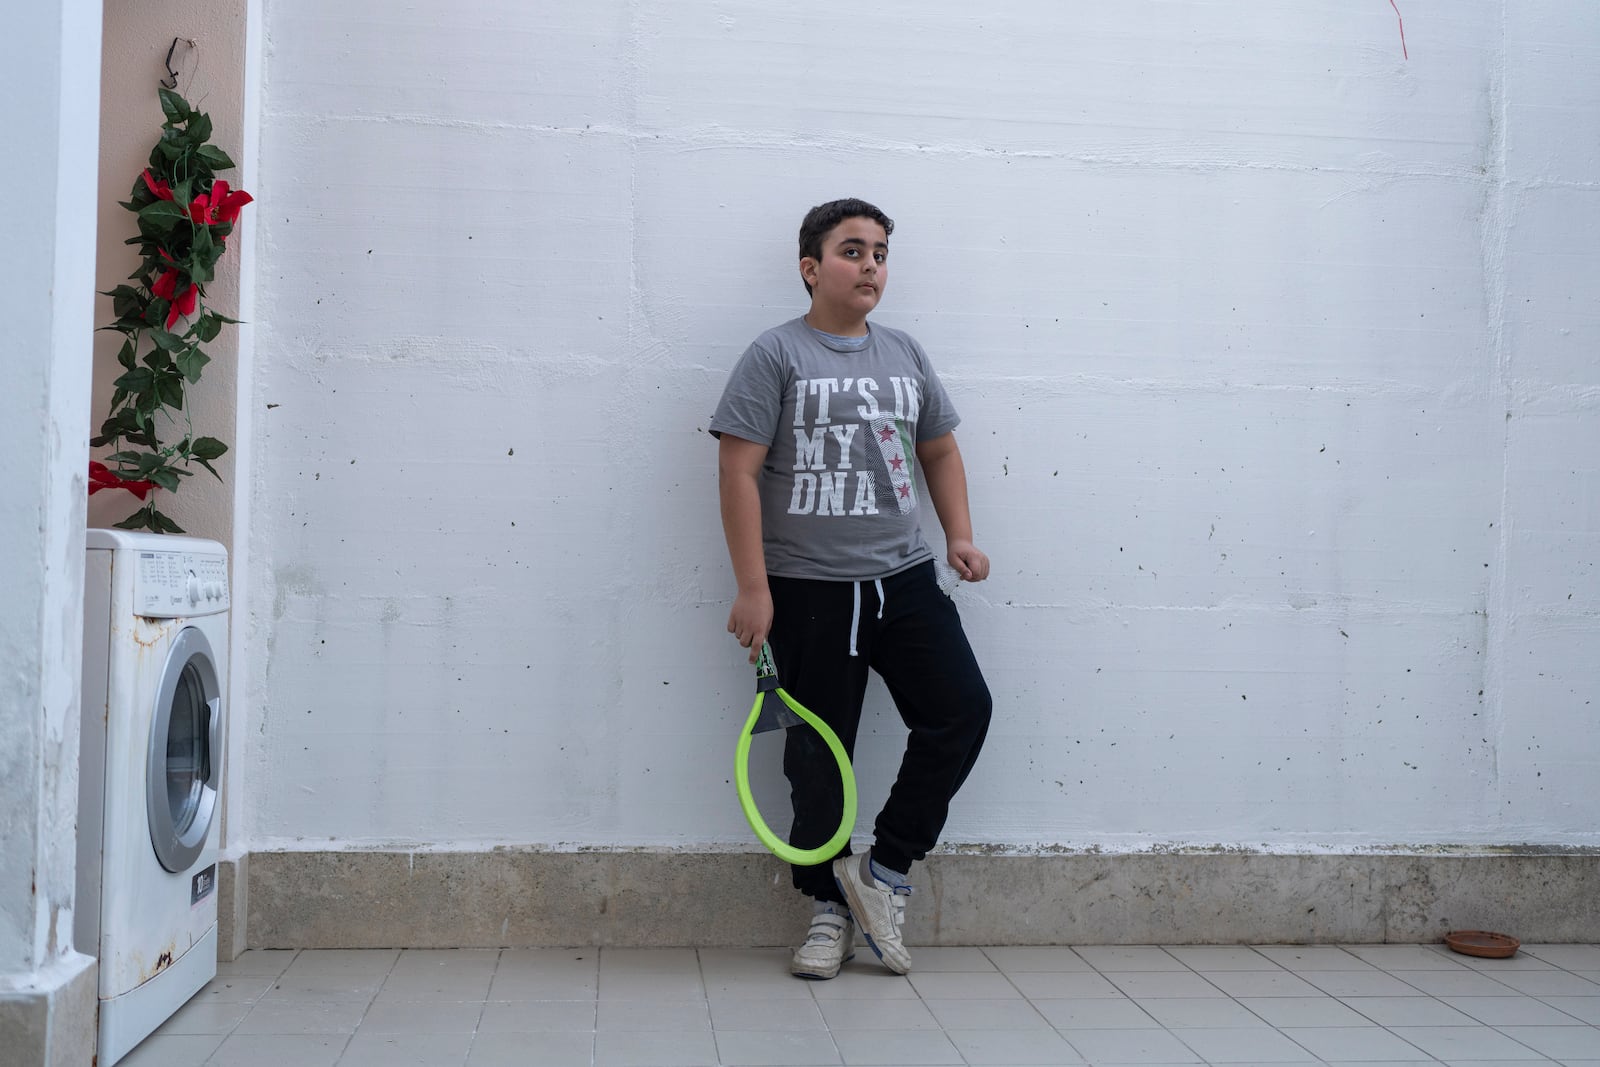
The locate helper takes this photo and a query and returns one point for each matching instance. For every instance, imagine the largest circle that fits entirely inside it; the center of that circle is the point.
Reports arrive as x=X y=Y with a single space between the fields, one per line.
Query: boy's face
x=850 y=277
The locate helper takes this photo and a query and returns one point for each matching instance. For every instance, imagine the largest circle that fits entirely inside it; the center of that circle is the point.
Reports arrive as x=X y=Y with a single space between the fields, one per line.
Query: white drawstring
x=855 y=616
x=855 y=612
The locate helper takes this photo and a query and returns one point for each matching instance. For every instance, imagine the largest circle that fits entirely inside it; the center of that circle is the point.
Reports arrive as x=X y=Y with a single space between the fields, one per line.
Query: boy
x=830 y=435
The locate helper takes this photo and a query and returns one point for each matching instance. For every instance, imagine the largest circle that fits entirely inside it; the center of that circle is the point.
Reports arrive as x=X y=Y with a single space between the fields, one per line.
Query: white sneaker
x=879 y=908
x=827 y=946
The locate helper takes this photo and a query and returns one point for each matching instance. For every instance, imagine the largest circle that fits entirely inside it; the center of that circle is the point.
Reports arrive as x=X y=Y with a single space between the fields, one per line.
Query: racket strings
x=833 y=752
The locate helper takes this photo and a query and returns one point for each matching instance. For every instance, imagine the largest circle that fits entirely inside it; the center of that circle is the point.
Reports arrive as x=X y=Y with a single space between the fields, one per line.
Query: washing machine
x=155 y=673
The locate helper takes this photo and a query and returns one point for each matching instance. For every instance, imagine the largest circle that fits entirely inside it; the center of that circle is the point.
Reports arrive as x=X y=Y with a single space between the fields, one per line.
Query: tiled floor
x=1095 y=1005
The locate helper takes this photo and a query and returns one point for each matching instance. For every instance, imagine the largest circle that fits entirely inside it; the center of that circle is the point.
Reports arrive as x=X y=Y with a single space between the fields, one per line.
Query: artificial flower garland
x=185 y=216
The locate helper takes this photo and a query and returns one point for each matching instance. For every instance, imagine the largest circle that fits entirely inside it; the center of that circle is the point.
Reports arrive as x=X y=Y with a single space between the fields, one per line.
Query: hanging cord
x=170 y=72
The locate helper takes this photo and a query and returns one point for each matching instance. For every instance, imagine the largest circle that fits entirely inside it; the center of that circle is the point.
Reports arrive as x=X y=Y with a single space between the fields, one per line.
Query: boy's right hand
x=751 y=620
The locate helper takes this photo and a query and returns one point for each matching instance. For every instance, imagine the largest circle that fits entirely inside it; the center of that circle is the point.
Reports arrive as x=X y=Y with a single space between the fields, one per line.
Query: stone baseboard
x=531 y=898
x=49 y=1018
x=233 y=881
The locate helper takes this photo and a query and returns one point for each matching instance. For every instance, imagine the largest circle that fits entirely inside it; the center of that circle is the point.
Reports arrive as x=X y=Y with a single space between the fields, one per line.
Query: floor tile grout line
x=1034 y=1005
x=477 y=1026
x=1390 y=1029
x=1225 y=996
x=351 y=1036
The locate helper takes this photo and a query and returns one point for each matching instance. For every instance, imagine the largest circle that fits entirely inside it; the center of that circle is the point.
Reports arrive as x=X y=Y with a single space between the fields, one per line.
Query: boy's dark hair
x=824 y=217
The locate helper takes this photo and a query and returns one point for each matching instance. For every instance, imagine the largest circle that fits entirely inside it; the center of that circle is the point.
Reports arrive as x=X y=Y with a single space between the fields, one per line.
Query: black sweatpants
x=919 y=649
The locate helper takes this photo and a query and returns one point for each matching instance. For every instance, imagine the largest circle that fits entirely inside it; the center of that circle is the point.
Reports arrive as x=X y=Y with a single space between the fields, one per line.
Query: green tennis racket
x=782 y=714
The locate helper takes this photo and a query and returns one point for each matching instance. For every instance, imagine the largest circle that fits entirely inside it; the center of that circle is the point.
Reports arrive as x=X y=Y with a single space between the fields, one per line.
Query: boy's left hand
x=968 y=560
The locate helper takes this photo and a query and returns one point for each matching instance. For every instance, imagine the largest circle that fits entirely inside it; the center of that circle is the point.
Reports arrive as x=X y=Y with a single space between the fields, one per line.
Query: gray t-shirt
x=841 y=494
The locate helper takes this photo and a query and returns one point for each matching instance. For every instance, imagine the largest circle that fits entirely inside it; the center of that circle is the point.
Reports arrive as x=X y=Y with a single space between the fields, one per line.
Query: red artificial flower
x=219 y=205
x=100 y=477
x=160 y=188
x=166 y=286
x=183 y=305
x=226 y=205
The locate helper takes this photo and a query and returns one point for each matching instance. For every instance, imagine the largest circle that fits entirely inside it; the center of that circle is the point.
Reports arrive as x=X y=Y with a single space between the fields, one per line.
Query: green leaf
x=162 y=215
x=175 y=107
x=199 y=128
x=166 y=478
x=136 y=381
x=125 y=301
x=126 y=357
x=210 y=468
x=208 y=326
x=157 y=360
x=203 y=256
x=137 y=521
x=215 y=157
x=162 y=524
x=169 y=341
x=205 y=448
x=169 y=387
x=190 y=362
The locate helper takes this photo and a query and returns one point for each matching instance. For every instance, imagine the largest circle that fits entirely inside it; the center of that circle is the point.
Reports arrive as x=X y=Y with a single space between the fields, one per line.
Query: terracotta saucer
x=1482 y=943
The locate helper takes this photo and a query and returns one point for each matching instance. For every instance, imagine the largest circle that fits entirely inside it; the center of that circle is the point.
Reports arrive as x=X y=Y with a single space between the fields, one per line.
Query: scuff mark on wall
x=1404 y=54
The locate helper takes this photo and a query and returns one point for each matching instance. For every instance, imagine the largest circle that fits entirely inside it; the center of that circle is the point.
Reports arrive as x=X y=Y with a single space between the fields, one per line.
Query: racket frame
x=767 y=685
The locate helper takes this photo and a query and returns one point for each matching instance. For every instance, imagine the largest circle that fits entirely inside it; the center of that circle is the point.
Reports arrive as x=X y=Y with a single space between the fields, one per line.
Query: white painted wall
x=1275 y=344
x=49 y=71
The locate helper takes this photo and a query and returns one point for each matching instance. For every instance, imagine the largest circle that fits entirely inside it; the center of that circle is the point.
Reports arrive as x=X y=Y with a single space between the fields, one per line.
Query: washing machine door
x=185 y=752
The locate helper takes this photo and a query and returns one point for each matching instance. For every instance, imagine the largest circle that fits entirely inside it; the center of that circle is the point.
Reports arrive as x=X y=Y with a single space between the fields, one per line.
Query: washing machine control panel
x=179 y=584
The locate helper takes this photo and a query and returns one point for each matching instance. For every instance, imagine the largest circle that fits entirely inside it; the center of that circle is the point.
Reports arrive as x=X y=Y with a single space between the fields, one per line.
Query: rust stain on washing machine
x=147 y=633
x=163 y=961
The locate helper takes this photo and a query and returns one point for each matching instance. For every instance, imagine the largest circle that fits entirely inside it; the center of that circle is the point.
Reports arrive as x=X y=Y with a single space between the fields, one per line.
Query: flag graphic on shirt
x=894 y=447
